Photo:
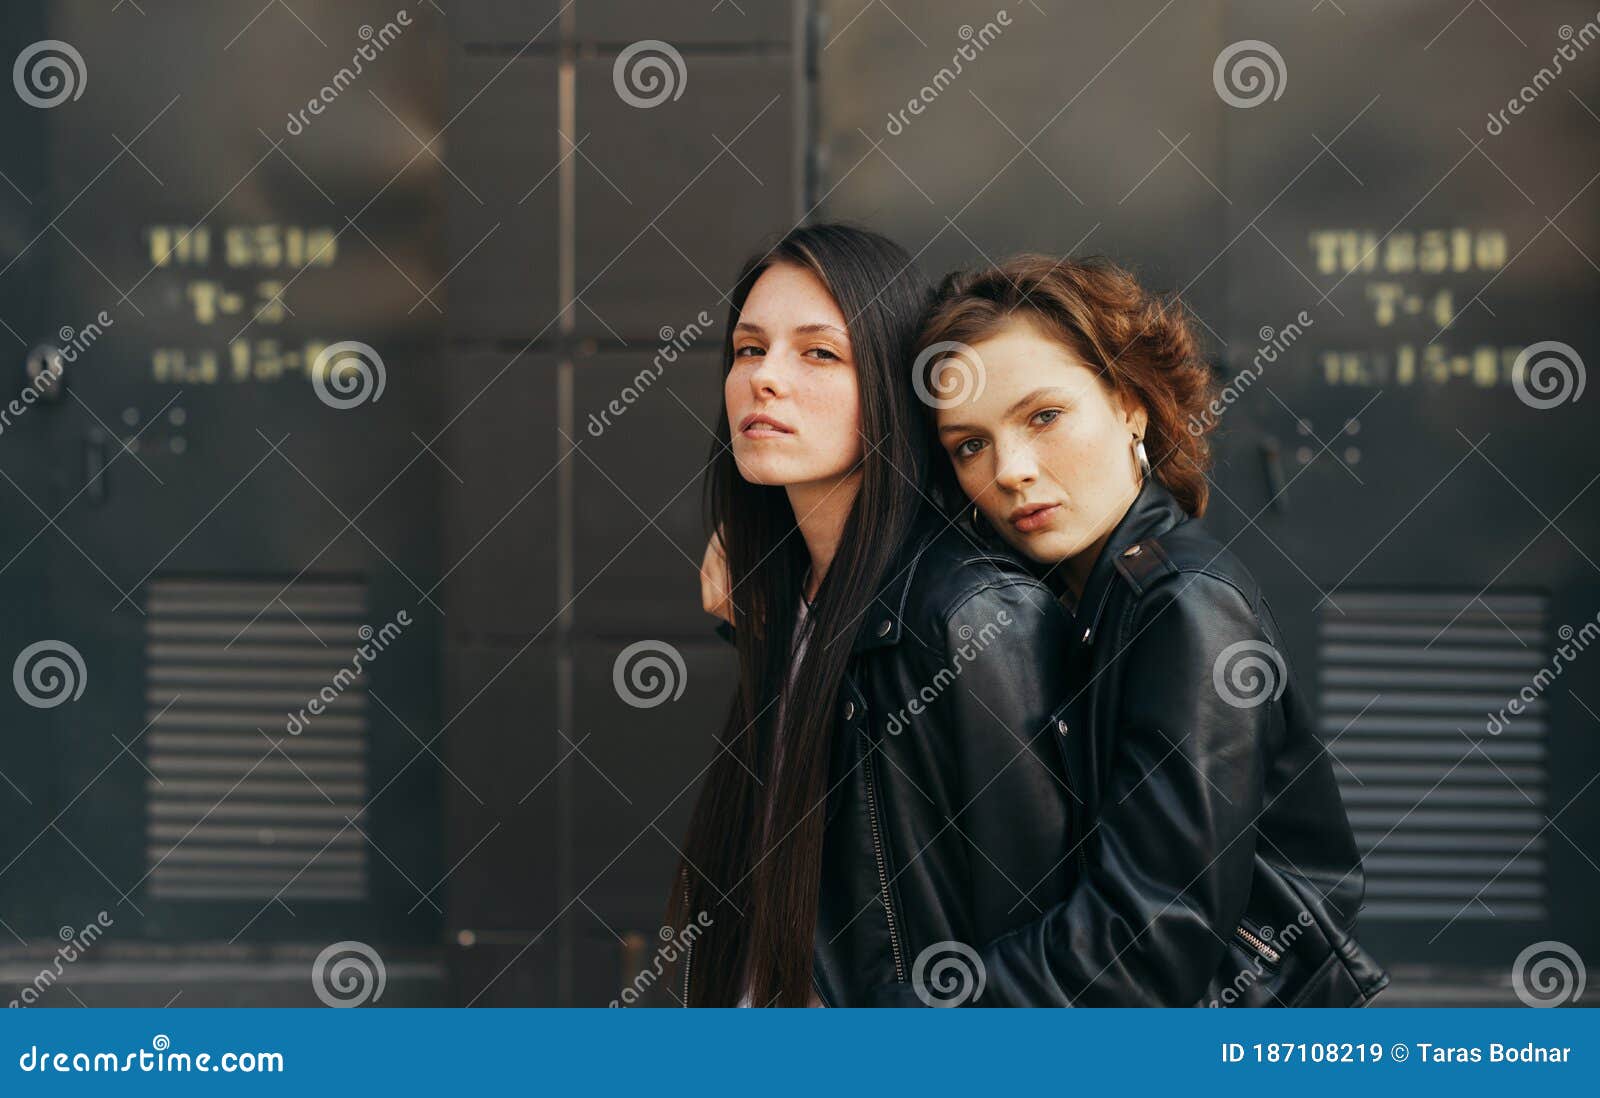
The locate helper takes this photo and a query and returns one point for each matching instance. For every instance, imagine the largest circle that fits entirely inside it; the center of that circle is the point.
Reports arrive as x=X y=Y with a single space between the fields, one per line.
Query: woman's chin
x=756 y=470
x=1044 y=547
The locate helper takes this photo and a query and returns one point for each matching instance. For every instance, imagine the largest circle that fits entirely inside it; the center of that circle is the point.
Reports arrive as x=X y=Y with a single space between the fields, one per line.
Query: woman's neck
x=821 y=509
x=1075 y=570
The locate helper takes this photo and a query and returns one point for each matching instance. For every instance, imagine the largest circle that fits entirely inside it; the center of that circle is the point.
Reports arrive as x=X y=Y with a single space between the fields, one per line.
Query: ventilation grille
x=230 y=817
x=1409 y=682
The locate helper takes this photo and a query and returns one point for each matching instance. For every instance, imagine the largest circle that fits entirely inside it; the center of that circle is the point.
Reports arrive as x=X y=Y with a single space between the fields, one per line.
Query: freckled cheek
x=734 y=388
x=1069 y=457
x=977 y=484
x=834 y=407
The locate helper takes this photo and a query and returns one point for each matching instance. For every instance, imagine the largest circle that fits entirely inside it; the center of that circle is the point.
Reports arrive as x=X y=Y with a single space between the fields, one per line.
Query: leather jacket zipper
x=1268 y=954
x=688 y=954
x=883 y=873
x=688 y=949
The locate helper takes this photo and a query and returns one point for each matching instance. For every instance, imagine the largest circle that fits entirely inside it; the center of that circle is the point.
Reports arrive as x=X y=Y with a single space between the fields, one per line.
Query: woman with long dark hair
x=869 y=632
x=1214 y=862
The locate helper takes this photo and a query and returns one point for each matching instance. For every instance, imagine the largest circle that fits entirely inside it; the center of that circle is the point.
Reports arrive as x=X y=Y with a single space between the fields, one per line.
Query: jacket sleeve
x=1168 y=863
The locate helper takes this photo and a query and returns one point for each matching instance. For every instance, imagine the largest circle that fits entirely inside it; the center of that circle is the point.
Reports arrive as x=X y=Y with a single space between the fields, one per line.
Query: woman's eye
x=968 y=448
x=747 y=351
x=823 y=352
x=1047 y=417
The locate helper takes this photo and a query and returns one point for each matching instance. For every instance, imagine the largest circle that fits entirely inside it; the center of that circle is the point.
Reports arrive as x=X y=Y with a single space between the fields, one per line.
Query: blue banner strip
x=816 y=1052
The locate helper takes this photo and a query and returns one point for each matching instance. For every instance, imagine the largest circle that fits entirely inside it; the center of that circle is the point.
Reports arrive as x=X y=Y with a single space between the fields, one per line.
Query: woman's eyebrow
x=806 y=329
x=1043 y=391
x=819 y=327
x=1048 y=390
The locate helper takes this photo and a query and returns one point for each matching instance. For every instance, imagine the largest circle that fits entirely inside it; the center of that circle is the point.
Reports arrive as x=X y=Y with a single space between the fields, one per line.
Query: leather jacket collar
x=1153 y=513
x=883 y=620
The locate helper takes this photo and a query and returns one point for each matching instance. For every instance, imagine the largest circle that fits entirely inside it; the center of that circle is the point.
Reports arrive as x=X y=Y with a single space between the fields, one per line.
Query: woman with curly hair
x=1212 y=861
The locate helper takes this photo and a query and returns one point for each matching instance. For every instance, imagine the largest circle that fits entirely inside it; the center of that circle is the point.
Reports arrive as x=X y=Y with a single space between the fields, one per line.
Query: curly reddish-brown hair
x=1143 y=346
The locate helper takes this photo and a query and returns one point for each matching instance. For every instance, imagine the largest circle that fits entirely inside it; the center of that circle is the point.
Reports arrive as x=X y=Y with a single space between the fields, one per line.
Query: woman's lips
x=1029 y=519
x=759 y=426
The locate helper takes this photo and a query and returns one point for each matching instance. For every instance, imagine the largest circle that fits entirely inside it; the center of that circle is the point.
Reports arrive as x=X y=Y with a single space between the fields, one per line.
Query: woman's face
x=792 y=400
x=1045 y=449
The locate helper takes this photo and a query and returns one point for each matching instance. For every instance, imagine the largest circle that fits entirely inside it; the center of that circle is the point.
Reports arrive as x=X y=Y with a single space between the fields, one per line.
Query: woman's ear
x=1135 y=416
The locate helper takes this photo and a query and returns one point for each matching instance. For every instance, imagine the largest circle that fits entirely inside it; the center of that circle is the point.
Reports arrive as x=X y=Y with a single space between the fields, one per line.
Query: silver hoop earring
x=975 y=525
x=1141 y=457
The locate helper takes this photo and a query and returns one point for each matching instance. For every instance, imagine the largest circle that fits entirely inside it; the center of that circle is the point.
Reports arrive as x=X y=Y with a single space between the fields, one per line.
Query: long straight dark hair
x=761 y=900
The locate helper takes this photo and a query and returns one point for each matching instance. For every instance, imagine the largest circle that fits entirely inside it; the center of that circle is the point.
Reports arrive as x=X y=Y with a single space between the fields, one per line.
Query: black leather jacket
x=1031 y=807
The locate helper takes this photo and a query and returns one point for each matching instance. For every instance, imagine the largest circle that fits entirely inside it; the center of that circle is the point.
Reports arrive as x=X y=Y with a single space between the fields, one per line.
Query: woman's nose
x=1016 y=468
x=767 y=379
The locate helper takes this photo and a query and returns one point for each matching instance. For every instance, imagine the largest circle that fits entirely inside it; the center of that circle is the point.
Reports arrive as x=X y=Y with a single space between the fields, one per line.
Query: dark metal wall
x=206 y=535
x=535 y=205
x=1425 y=536
x=614 y=230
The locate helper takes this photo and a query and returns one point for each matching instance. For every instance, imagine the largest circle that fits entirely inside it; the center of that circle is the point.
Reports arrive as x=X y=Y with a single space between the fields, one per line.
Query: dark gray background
x=513 y=237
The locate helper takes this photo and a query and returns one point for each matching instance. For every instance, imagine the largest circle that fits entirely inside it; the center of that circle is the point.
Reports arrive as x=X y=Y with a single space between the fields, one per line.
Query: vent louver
x=230 y=818
x=1445 y=829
